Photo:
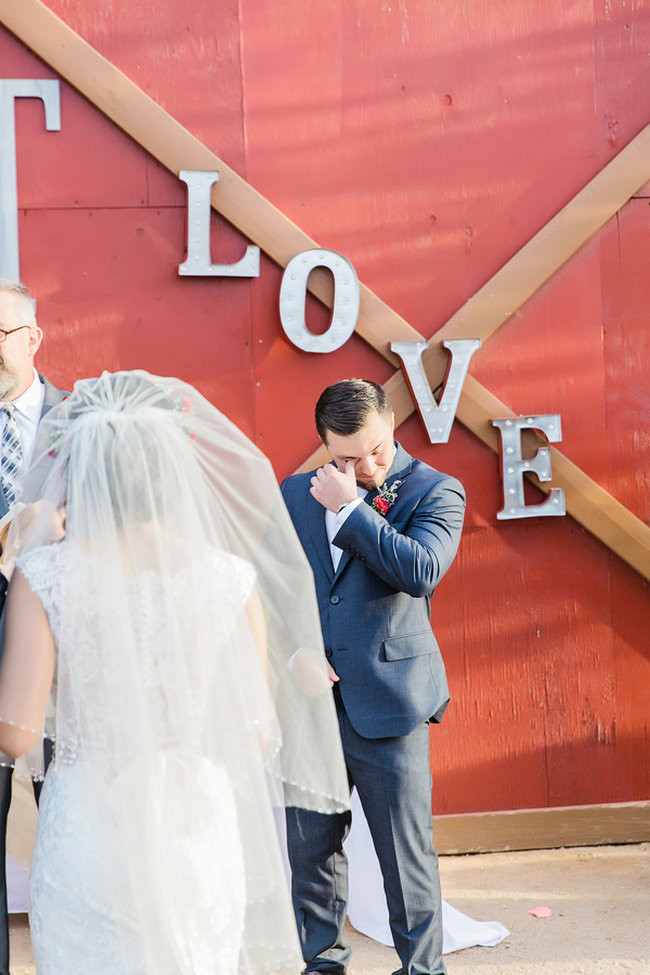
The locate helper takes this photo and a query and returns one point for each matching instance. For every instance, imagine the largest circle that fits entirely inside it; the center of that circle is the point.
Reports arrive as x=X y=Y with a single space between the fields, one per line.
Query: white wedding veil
x=174 y=526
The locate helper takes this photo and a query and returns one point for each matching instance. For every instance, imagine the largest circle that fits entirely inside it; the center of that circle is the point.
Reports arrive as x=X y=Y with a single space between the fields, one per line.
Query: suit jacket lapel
x=343 y=561
x=52 y=395
x=316 y=519
x=400 y=468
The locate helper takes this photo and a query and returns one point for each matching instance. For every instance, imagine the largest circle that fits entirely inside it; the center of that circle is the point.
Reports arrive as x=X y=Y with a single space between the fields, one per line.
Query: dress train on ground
x=367 y=909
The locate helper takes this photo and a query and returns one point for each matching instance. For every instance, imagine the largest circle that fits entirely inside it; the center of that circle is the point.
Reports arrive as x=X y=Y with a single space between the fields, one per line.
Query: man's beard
x=8 y=384
x=374 y=483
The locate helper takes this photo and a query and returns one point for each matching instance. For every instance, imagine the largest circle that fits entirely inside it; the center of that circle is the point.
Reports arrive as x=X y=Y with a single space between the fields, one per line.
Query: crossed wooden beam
x=122 y=101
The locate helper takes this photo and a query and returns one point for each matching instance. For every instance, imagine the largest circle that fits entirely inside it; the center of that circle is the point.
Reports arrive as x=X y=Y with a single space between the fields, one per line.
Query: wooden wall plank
x=538 y=829
x=429 y=143
x=176 y=148
x=128 y=311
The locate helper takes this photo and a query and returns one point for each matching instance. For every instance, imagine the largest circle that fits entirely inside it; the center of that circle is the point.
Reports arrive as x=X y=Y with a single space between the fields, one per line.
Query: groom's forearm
x=416 y=559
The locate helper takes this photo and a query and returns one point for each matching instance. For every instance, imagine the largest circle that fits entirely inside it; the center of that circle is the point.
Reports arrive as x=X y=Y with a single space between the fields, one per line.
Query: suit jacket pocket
x=409 y=645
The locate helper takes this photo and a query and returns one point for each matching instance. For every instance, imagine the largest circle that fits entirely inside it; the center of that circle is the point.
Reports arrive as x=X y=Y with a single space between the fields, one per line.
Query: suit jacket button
x=328 y=652
x=334 y=600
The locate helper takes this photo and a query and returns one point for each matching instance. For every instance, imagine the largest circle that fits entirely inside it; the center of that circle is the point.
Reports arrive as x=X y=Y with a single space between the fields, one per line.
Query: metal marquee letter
x=513 y=466
x=10 y=89
x=345 y=307
x=438 y=418
x=199 y=210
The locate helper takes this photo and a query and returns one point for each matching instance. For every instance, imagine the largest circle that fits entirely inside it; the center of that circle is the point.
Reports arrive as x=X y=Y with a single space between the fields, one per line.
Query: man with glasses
x=25 y=396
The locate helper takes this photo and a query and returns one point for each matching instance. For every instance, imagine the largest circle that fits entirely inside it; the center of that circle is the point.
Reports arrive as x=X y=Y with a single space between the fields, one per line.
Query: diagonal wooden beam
x=175 y=147
x=122 y=101
x=130 y=108
x=591 y=506
x=586 y=501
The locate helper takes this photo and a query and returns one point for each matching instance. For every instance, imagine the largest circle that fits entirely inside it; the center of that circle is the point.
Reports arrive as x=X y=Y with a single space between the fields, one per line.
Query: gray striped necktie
x=11 y=457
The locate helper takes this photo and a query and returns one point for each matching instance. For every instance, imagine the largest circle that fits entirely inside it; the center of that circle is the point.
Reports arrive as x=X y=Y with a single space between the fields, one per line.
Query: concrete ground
x=599 y=898
x=600 y=903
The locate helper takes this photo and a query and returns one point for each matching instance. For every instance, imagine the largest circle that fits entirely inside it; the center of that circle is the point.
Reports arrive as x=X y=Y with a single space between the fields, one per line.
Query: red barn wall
x=427 y=143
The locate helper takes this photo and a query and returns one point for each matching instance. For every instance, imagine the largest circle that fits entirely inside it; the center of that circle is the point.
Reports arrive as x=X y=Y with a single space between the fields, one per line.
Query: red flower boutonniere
x=386 y=498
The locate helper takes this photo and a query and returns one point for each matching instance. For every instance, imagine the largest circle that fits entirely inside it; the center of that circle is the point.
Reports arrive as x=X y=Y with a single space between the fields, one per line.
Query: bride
x=158 y=596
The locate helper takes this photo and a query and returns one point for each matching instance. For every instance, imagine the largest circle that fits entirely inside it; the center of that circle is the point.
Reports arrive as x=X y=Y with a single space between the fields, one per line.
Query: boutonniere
x=386 y=498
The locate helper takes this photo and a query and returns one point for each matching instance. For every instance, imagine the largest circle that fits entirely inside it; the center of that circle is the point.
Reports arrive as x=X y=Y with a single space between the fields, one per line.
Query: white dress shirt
x=333 y=522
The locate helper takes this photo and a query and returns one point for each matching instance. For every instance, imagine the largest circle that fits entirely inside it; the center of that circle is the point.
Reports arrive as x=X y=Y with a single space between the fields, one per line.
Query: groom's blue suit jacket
x=375 y=610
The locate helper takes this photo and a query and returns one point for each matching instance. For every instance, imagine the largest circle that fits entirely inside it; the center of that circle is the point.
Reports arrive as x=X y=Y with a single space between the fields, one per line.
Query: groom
x=380 y=530
x=25 y=397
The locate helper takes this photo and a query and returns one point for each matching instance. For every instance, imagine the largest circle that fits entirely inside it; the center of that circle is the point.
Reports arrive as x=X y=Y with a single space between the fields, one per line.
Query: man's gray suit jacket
x=51 y=398
x=375 y=609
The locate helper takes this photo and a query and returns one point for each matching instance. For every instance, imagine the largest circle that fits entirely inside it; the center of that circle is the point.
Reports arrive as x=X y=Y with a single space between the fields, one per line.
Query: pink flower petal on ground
x=541 y=912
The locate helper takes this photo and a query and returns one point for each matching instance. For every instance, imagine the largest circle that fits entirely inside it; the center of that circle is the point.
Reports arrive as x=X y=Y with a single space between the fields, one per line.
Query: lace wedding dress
x=92 y=895
x=177 y=598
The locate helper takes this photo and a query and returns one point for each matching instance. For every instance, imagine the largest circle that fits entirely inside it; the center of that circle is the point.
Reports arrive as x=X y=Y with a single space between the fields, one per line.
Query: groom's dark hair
x=344 y=407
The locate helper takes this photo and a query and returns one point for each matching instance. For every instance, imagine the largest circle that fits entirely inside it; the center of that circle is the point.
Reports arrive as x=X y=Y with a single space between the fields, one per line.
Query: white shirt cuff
x=349 y=508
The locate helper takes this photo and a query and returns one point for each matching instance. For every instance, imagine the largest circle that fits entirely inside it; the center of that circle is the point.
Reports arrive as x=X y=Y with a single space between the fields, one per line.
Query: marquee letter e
x=513 y=466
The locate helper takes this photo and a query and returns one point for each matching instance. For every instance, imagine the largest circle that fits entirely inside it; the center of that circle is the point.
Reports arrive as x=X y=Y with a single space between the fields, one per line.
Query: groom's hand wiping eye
x=333 y=487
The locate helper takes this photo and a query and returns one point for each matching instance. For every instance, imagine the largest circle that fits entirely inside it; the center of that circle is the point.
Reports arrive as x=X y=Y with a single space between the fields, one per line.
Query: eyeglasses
x=4 y=332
